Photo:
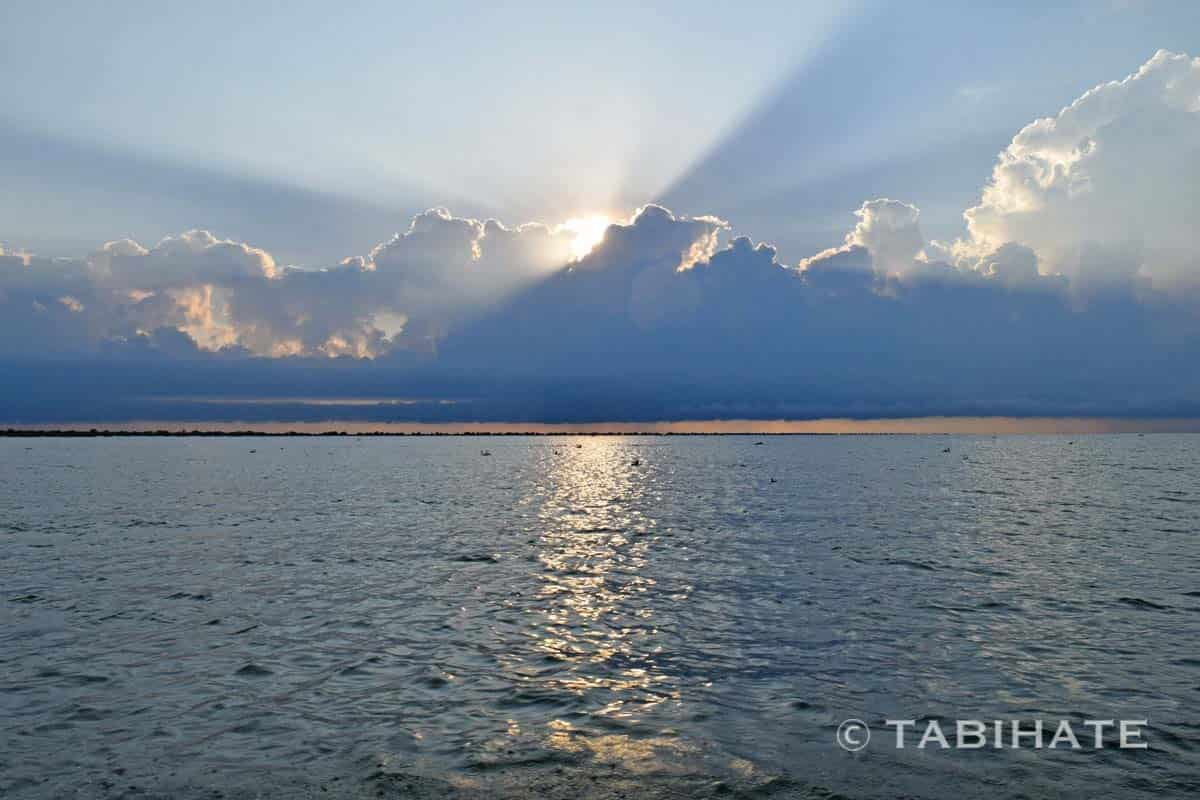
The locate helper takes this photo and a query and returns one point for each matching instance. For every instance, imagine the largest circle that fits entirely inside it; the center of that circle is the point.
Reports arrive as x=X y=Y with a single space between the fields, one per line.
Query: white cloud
x=196 y=256
x=886 y=239
x=1108 y=188
x=409 y=291
x=889 y=230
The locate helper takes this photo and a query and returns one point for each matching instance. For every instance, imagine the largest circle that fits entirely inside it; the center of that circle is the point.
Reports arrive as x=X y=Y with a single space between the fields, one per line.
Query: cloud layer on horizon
x=1081 y=255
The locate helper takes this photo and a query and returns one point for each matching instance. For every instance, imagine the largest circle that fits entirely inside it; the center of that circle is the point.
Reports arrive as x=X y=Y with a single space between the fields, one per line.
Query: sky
x=583 y=212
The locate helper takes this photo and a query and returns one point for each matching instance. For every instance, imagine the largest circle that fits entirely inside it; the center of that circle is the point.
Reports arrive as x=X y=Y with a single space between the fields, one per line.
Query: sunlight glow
x=589 y=232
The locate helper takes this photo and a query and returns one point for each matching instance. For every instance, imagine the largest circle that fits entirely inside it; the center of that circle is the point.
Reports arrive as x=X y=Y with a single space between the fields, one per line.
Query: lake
x=594 y=616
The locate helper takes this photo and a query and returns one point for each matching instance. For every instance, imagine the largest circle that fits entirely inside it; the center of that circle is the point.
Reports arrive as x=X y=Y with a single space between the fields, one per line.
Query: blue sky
x=243 y=181
x=156 y=117
x=522 y=111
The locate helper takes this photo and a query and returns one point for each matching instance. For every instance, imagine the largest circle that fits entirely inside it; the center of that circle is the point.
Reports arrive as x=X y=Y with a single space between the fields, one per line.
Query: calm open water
x=407 y=617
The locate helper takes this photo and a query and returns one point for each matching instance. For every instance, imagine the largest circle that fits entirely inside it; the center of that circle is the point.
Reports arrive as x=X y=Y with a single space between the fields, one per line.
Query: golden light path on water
x=600 y=611
x=593 y=549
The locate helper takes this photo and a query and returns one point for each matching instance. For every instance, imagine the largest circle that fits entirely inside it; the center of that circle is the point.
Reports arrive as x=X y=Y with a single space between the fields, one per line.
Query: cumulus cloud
x=658 y=320
x=888 y=229
x=885 y=242
x=1102 y=193
x=1107 y=189
x=741 y=334
x=444 y=267
x=189 y=259
x=406 y=293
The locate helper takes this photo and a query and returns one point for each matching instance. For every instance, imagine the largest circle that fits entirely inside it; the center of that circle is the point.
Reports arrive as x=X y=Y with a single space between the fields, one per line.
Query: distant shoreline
x=20 y=433
x=1073 y=426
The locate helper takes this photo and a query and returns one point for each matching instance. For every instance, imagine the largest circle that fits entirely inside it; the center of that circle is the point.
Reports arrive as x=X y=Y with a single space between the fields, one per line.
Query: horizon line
x=932 y=425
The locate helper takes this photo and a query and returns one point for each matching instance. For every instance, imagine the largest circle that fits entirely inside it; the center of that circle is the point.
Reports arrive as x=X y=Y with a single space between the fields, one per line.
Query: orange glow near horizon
x=916 y=425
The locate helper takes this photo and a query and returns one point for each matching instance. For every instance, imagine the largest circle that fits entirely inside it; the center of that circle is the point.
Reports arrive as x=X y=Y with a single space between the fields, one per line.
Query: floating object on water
x=485 y=452
x=947 y=450
x=254 y=671
x=468 y=558
x=637 y=462
x=773 y=480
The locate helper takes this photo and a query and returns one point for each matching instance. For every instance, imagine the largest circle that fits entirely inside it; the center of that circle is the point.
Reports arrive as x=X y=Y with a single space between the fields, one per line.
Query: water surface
x=344 y=616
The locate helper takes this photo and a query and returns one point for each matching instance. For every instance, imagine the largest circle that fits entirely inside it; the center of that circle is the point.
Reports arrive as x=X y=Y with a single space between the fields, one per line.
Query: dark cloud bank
x=1072 y=292
x=625 y=334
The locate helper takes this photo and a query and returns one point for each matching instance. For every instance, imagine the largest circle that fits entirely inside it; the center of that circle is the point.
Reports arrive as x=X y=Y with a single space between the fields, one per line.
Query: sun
x=589 y=232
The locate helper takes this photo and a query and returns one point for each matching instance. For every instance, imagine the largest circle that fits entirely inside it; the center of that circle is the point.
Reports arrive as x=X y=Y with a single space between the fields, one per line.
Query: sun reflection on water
x=595 y=600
